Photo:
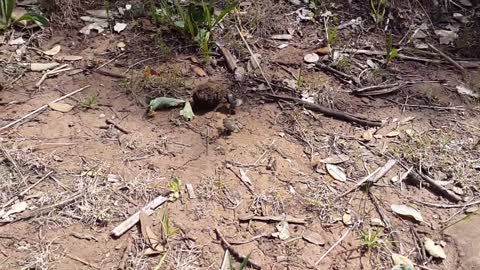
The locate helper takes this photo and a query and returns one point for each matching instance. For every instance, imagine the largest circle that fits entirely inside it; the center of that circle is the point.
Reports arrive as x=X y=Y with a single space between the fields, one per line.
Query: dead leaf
x=401 y=260
x=434 y=250
x=245 y=178
x=68 y=57
x=283 y=233
x=53 y=51
x=199 y=71
x=336 y=172
x=408 y=211
x=99 y=13
x=446 y=36
x=43 y=66
x=16 y=208
x=463 y=90
x=148 y=235
x=60 y=107
x=323 y=51
x=367 y=135
x=335 y=159
x=313 y=238
x=392 y=134
x=17 y=41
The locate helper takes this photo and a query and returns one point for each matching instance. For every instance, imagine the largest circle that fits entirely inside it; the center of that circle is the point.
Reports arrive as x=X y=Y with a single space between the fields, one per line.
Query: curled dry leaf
x=53 y=51
x=311 y=58
x=433 y=249
x=335 y=159
x=407 y=211
x=322 y=51
x=336 y=172
x=199 y=71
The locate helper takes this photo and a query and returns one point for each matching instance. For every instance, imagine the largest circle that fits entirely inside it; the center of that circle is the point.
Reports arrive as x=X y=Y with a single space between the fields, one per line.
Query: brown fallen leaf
x=323 y=51
x=199 y=71
x=148 y=235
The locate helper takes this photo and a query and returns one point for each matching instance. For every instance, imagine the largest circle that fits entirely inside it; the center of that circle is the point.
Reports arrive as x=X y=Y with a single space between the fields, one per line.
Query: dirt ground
x=81 y=176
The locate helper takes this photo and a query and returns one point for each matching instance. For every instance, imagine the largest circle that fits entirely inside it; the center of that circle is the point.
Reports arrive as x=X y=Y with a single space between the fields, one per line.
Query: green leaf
x=164 y=102
x=187 y=112
x=174 y=187
x=33 y=18
x=244 y=263
x=180 y=24
x=228 y=9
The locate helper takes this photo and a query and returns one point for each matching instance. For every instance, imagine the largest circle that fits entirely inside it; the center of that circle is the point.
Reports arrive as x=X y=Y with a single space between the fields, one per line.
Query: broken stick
x=117 y=126
x=448 y=58
x=448 y=194
x=288 y=219
x=148 y=209
x=339 y=115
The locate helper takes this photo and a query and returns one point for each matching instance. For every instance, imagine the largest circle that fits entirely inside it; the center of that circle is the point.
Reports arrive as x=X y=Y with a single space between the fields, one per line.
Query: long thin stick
x=448 y=58
x=42 y=108
x=26 y=190
x=254 y=58
x=336 y=244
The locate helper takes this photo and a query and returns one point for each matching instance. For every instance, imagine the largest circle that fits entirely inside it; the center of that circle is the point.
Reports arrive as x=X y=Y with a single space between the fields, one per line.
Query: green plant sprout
x=391 y=52
x=7 y=16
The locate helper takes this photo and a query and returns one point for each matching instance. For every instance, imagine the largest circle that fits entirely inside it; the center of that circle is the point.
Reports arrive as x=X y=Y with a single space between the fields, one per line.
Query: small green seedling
x=7 y=16
x=174 y=187
x=198 y=21
x=90 y=102
x=167 y=227
x=242 y=266
x=379 y=8
x=391 y=52
x=370 y=240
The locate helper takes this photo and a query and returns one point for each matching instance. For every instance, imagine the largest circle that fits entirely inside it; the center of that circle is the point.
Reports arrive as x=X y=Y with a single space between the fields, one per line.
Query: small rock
x=377 y=222
x=347 y=219
x=313 y=238
x=102 y=115
x=57 y=158
x=231 y=125
x=311 y=58
x=239 y=74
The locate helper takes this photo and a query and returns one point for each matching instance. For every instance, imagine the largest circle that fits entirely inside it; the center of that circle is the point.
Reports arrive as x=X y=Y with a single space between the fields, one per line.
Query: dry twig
x=42 y=108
